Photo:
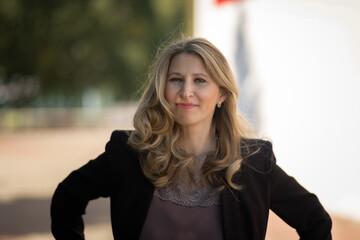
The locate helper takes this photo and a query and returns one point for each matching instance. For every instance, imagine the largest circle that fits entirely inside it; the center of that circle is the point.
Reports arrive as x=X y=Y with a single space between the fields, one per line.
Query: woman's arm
x=298 y=207
x=93 y=180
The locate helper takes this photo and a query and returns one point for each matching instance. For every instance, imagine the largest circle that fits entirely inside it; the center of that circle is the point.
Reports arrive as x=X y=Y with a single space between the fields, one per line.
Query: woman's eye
x=200 y=80
x=175 y=80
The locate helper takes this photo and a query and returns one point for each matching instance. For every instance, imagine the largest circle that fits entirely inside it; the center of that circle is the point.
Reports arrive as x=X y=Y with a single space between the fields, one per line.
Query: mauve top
x=179 y=212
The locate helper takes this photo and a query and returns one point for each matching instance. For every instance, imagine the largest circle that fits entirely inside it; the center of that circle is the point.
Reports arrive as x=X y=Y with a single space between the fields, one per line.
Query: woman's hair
x=157 y=135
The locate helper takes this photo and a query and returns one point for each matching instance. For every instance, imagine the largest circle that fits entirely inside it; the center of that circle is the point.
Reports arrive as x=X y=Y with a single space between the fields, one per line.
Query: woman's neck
x=198 y=141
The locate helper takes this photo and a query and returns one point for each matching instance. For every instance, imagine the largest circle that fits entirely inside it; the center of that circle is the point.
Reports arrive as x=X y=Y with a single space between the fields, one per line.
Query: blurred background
x=70 y=73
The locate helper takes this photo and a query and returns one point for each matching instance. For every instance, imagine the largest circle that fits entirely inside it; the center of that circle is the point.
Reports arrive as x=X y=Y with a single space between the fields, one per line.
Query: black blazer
x=116 y=174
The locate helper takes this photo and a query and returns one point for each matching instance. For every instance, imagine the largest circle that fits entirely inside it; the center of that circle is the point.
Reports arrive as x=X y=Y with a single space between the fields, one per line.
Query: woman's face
x=191 y=92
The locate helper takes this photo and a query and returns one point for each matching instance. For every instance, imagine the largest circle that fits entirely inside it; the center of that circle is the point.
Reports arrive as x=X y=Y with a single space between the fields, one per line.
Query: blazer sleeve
x=296 y=206
x=93 y=180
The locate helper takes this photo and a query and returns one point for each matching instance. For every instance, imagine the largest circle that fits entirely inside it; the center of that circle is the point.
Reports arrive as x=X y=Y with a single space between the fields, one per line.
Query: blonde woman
x=192 y=168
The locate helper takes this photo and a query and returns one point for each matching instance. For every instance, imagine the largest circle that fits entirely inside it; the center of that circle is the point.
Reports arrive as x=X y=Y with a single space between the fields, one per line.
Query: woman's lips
x=186 y=105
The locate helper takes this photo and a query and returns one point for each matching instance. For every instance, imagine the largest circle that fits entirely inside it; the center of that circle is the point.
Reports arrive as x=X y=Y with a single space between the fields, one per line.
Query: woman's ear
x=222 y=97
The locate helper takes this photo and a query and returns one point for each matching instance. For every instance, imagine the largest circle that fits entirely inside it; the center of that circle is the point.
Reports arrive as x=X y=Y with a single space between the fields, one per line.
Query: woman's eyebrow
x=200 y=74
x=173 y=73
x=194 y=74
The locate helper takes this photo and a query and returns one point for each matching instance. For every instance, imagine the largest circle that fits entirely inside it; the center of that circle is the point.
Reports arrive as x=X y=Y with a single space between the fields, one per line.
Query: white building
x=298 y=63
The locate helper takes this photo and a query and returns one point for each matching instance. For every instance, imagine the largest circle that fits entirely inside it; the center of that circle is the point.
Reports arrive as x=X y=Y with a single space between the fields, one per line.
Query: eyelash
x=197 y=80
x=175 y=80
x=200 y=80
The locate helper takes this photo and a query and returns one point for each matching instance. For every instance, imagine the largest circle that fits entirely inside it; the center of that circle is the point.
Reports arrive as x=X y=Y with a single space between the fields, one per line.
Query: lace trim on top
x=199 y=195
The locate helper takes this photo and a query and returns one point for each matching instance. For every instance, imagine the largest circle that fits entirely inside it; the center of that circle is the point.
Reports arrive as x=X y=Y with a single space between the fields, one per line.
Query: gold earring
x=218 y=105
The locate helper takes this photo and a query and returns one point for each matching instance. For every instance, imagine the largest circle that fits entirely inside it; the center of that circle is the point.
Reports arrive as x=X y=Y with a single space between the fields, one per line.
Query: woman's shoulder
x=120 y=135
x=255 y=146
x=257 y=154
x=118 y=142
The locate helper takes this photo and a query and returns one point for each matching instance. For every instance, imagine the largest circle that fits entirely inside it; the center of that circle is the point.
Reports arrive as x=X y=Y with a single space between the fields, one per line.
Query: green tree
x=70 y=46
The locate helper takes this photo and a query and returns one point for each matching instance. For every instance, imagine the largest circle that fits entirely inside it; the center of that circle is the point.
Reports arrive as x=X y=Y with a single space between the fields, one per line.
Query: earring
x=218 y=105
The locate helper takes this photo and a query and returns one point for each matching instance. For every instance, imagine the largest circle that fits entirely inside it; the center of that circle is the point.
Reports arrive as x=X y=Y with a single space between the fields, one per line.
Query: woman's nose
x=187 y=89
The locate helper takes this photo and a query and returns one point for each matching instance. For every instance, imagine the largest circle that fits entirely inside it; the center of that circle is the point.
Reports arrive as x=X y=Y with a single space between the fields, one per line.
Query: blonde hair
x=156 y=134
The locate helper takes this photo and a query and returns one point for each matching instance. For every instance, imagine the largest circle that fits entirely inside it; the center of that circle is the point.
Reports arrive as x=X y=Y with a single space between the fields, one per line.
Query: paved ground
x=34 y=161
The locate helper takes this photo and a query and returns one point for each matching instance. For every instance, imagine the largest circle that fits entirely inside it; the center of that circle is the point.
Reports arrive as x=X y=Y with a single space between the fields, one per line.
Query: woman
x=190 y=169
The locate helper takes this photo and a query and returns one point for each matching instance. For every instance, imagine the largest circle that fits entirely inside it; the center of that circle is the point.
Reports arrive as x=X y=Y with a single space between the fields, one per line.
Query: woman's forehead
x=184 y=62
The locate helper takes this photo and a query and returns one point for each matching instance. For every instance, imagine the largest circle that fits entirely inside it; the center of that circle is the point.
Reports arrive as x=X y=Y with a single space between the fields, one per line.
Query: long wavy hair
x=156 y=136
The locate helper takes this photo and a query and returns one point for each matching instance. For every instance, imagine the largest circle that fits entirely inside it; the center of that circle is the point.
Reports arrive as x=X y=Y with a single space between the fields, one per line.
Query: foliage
x=68 y=47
